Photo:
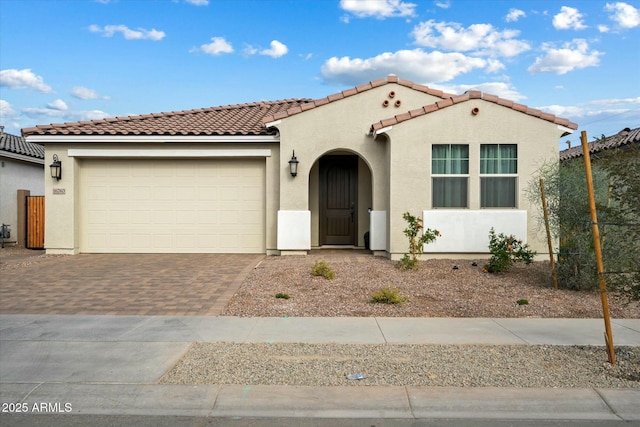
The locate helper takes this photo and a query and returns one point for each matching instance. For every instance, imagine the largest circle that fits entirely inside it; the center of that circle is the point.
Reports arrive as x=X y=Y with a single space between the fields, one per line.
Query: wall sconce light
x=56 y=168
x=293 y=165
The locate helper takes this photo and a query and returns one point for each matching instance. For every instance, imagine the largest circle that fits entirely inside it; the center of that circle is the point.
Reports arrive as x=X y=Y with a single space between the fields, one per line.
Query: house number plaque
x=59 y=191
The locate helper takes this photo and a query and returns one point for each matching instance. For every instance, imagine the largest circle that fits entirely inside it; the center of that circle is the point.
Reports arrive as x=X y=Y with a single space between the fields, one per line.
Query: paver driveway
x=123 y=284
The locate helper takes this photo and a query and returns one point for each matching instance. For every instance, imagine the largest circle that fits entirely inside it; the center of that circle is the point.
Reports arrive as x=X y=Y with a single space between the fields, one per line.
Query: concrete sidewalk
x=111 y=365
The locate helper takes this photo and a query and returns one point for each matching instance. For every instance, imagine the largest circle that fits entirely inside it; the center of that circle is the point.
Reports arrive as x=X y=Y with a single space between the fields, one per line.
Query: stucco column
x=60 y=205
x=294 y=216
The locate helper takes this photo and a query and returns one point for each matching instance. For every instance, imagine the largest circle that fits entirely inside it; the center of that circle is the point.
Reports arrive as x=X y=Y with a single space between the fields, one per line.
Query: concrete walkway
x=111 y=365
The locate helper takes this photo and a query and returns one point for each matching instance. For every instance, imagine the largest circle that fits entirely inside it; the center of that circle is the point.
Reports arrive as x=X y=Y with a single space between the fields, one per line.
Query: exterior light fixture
x=56 y=168
x=293 y=165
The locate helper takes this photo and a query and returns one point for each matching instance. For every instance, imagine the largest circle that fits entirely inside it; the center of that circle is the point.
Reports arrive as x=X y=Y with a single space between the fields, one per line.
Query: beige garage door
x=172 y=206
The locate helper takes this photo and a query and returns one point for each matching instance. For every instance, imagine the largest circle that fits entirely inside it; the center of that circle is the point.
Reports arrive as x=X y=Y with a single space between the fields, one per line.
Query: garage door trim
x=212 y=153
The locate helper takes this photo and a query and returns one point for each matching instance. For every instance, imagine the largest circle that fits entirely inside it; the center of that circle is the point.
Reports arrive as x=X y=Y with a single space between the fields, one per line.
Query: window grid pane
x=498 y=159
x=450 y=159
x=450 y=192
x=498 y=192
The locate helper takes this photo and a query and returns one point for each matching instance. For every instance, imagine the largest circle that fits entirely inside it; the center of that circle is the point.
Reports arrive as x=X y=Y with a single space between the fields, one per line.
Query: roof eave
x=54 y=139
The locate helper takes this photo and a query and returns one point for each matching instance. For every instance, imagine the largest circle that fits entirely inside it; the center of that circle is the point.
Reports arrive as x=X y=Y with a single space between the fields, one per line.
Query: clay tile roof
x=238 y=119
x=625 y=138
x=473 y=94
x=17 y=145
x=359 y=89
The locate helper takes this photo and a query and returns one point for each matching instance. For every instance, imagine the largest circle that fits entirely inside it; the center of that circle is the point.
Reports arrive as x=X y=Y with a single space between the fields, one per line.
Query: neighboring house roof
x=625 y=138
x=239 y=119
x=16 y=147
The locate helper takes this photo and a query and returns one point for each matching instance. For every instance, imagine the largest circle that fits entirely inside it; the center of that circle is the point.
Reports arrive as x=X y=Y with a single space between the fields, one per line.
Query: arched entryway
x=340 y=192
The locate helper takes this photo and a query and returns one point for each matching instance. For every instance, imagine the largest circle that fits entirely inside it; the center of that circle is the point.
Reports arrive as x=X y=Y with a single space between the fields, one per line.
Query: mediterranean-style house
x=21 y=175
x=286 y=176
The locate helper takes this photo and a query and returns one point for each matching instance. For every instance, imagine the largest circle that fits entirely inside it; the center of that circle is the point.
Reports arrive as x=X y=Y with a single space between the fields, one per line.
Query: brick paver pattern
x=125 y=284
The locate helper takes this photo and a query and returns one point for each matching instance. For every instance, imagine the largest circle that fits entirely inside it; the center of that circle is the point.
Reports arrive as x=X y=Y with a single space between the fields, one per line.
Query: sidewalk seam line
x=31 y=391
x=494 y=320
x=381 y=332
x=406 y=390
x=604 y=400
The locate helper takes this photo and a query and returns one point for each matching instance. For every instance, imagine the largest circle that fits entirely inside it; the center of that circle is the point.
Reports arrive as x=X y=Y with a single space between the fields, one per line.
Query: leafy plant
x=505 y=251
x=389 y=296
x=522 y=301
x=414 y=228
x=321 y=268
x=283 y=296
x=616 y=182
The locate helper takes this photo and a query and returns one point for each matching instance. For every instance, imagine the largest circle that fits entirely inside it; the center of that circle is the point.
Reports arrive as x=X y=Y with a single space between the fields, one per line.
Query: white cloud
x=514 y=15
x=568 y=18
x=58 y=105
x=64 y=115
x=127 y=33
x=616 y=101
x=198 y=2
x=416 y=65
x=573 y=55
x=23 y=79
x=379 y=9
x=603 y=28
x=483 y=39
x=6 y=110
x=84 y=93
x=276 y=50
x=443 y=4
x=217 y=46
x=625 y=15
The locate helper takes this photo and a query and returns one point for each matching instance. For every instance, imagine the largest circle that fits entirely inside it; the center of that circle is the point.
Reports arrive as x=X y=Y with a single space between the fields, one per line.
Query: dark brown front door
x=338 y=200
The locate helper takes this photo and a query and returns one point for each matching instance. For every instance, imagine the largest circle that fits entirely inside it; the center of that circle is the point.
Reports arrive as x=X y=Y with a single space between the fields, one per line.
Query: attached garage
x=172 y=206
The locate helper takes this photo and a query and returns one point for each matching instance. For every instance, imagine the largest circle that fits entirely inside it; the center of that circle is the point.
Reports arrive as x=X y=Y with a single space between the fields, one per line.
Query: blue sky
x=72 y=60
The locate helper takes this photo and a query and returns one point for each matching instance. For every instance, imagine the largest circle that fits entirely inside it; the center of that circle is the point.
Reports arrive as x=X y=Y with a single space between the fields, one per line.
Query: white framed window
x=450 y=175
x=498 y=175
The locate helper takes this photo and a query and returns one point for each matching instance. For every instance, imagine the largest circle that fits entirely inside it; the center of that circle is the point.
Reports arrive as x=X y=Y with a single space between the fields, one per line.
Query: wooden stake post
x=546 y=224
x=608 y=337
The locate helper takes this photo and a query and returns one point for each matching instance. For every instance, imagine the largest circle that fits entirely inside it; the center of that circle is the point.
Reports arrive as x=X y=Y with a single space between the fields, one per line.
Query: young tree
x=617 y=191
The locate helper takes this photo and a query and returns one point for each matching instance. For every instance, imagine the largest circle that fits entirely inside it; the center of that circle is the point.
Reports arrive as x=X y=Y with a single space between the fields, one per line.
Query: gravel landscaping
x=439 y=288
x=406 y=365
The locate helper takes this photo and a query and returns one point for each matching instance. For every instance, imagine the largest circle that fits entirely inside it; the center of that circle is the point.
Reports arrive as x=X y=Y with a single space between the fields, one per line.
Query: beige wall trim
x=168 y=153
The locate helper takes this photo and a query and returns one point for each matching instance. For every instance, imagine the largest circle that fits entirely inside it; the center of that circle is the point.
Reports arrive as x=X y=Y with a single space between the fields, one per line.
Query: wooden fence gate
x=35 y=222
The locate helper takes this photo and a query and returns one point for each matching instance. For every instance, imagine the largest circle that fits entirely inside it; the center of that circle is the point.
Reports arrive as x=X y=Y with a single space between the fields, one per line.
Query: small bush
x=321 y=268
x=389 y=296
x=506 y=250
x=413 y=230
x=408 y=263
x=522 y=302
x=282 y=296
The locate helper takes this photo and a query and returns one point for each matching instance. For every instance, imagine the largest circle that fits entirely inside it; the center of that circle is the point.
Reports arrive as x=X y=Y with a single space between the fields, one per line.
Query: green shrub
x=414 y=227
x=505 y=251
x=522 y=301
x=282 y=296
x=321 y=268
x=389 y=296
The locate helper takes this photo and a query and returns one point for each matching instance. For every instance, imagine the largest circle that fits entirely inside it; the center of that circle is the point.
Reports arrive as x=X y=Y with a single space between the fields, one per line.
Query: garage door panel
x=212 y=206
